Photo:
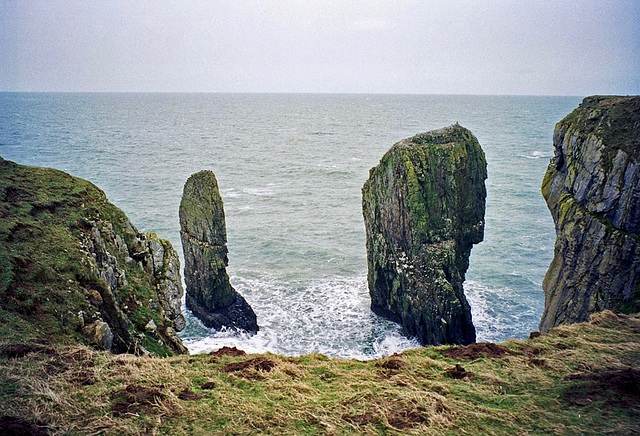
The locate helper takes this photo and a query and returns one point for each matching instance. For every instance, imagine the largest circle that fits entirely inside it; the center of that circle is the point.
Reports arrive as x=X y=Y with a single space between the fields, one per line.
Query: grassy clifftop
x=578 y=379
x=73 y=269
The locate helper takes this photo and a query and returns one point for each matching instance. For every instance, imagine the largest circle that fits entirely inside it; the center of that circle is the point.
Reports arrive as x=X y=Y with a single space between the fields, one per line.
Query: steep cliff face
x=204 y=240
x=423 y=209
x=74 y=268
x=592 y=188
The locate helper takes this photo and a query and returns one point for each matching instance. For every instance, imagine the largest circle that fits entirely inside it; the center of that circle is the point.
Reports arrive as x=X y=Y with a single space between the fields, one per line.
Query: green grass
x=540 y=386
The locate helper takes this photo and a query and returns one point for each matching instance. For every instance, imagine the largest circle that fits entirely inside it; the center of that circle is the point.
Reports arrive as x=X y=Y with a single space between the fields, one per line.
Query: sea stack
x=210 y=296
x=423 y=209
x=592 y=188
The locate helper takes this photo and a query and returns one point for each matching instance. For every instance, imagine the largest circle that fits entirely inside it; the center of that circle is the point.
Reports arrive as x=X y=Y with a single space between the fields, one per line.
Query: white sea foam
x=329 y=316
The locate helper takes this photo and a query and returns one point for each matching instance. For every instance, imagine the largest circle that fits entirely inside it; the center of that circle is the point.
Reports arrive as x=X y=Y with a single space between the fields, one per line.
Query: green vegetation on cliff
x=423 y=208
x=74 y=270
x=591 y=189
x=578 y=379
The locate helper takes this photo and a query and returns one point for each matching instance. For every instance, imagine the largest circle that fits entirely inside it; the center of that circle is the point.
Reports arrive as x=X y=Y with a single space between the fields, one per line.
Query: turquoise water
x=290 y=168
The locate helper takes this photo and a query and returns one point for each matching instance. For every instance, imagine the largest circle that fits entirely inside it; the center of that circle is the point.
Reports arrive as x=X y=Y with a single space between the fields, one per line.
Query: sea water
x=290 y=169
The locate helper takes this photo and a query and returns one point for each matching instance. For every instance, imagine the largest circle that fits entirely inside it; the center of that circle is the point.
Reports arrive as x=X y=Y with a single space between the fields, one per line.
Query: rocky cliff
x=423 y=209
x=73 y=268
x=210 y=296
x=592 y=188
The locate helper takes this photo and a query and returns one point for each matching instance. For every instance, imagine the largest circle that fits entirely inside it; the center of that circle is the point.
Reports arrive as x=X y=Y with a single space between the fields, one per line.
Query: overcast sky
x=573 y=47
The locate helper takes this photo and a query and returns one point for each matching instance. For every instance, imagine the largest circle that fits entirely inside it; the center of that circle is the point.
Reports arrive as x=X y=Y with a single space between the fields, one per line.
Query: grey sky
x=443 y=47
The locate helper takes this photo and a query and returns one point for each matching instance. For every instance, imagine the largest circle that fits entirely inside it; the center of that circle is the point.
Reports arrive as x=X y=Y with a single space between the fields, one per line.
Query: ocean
x=290 y=169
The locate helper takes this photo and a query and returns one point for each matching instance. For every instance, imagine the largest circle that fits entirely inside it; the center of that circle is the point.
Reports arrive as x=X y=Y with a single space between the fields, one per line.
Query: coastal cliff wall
x=423 y=209
x=210 y=295
x=592 y=188
x=74 y=269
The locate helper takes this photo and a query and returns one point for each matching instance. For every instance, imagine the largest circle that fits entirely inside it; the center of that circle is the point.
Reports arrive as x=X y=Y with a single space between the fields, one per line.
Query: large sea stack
x=592 y=188
x=423 y=209
x=74 y=269
x=210 y=296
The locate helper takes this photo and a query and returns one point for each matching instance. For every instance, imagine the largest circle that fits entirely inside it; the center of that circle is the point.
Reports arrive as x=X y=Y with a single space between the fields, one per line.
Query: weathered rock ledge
x=74 y=266
x=423 y=209
x=210 y=295
x=592 y=188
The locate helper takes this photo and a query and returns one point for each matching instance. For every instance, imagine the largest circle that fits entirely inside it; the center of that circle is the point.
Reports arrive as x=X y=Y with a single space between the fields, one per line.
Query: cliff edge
x=423 y=209
x=592 y=188
x=74 y=269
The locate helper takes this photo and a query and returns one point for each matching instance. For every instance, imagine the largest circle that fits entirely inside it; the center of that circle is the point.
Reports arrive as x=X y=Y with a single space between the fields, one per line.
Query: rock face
x=74 y=268
x=423 y=209
x=592 y=188
x=204 y=240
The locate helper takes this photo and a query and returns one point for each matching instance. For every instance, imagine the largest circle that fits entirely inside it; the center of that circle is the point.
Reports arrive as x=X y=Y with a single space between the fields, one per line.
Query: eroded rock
x=592 y=188
x=210 y=295
x=423 y=209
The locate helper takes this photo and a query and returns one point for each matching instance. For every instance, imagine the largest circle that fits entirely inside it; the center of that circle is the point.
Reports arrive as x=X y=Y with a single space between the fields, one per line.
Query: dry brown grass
x=539 y=386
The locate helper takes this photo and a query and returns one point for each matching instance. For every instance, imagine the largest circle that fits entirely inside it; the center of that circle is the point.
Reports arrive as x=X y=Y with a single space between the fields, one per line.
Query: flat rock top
x=614 y=119
x=201 y=209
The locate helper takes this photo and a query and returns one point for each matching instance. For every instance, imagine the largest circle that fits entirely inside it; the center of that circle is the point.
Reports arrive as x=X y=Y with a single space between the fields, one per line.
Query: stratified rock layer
x=423 y=209
x=74 y=268
x=210 y=296
x=592 y=188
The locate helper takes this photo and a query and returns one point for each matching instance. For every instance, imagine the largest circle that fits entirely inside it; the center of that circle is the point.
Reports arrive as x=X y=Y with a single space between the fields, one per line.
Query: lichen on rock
x=210 y=295
x=592 y=188
x=75 y=267
x=423 y=209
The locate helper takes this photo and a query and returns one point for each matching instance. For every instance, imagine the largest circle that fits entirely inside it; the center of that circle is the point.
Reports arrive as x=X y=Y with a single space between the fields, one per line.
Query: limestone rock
x=592 y=188
x=74 y=268
x=210 y=295
x=99 y=334
x=423 y=209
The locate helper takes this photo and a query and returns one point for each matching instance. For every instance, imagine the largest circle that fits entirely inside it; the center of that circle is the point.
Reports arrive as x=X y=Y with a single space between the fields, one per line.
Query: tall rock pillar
x=210 y=296
x=423 y=209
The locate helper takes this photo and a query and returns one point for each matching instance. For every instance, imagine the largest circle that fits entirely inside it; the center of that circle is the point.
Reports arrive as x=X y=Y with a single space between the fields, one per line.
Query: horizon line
x=307 y=93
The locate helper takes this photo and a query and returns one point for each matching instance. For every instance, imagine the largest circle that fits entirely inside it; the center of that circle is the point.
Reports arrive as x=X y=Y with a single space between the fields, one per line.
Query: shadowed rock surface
x=210 y=296
x=592 y=188
x=423 y=209
x=74 y=269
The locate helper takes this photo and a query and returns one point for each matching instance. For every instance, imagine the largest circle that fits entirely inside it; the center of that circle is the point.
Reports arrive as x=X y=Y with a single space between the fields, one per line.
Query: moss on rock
x=423 y=207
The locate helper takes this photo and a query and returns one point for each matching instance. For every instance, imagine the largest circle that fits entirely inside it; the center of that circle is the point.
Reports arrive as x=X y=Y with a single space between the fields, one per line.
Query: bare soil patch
x=189 y=395
x=476 y=351
x=136 y=399
x=618 y=388
x=257 y=363
x=458 y=373
x=13 y=426
x=228 y=351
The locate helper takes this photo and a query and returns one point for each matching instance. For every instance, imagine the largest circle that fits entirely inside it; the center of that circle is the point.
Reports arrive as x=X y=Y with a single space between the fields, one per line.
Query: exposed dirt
x=257 y=363
x=363 y=419
x=540 y=363
x=208 y=385
x=458 y=372
x=561 y=346
x=12 y=426
x=476 y=351
x=531 y=351
x=17 y=351
x=406 y=416
x=618 y=388
x=226 y=351
x=189 y=395
x=393 y=363
x=534 y=335
x=136 y=399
